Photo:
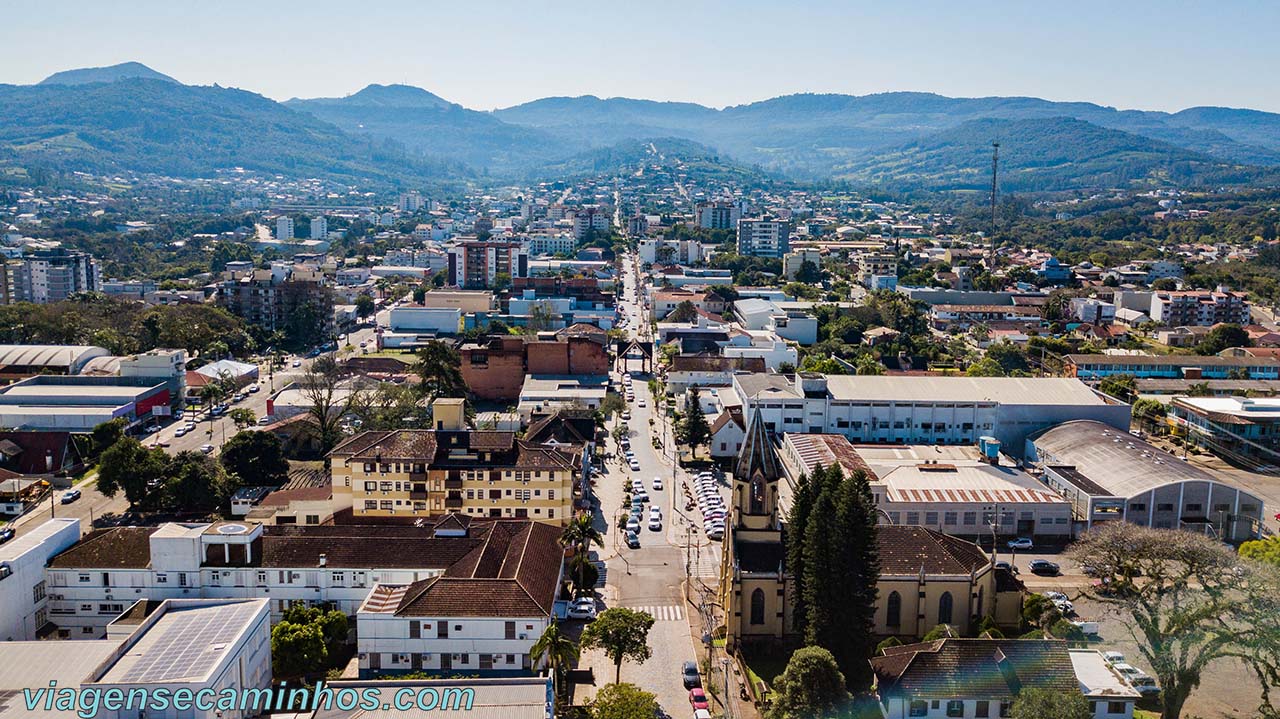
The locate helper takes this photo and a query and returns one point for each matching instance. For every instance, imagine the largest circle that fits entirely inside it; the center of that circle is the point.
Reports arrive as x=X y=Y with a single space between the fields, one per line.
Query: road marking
x=664 y=613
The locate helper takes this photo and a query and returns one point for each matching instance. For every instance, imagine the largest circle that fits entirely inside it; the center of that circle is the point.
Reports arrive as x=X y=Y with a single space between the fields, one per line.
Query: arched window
x=757 y=495
x=757 y=606
x=894 y=610
x=944 y=608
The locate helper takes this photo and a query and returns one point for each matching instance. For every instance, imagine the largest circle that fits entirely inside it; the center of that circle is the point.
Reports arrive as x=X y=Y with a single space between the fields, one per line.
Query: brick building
x=495 y=369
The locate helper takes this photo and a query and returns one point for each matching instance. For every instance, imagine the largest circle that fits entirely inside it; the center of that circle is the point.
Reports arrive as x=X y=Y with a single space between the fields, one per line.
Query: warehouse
x=78 y=404
x=21 y=361
x=1109 y=475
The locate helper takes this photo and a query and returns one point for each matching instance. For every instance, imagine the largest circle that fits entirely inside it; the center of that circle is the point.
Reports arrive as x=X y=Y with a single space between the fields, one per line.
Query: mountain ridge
x=107 y=73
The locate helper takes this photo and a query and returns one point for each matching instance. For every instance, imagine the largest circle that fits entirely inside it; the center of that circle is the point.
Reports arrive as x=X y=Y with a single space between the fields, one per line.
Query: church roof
x=757 y=453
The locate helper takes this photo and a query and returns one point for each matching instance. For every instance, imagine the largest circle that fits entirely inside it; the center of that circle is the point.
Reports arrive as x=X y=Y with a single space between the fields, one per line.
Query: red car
x=698 y=699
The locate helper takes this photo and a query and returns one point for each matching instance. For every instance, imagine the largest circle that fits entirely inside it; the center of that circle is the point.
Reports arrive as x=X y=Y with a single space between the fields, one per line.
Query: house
x=983 y=677
x=727 y=432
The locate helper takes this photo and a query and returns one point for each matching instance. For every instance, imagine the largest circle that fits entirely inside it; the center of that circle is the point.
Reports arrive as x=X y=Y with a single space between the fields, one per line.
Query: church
x=927 y=578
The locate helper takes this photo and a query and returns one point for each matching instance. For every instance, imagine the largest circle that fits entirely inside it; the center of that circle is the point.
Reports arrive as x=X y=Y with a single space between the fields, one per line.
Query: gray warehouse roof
x=70 y=357
x=1004 y=390
x=1115 y=461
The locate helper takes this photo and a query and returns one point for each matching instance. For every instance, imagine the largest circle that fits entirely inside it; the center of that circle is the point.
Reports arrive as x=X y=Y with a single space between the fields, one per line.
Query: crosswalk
x=602 y=574
x=665 y=613
x=706 y=563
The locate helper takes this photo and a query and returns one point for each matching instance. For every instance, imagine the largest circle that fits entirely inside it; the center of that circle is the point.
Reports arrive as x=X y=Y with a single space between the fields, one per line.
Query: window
x=893 y=608
x=970 y=518
x=1195 y=507
x=982 y=709
x=955 y=708
x=1115 y=707
x=949 y=518
x=944 y=608
x=1004 y=708
x=1137 y=507
x=37 y=592
x=757 y=606
x=262 y=577
x=918 y=708
x=913 y=518
x=1164 y=507
x=370 y=486
x=84 y=578
x=162 y=578
x=370 y=504
x=930 y=518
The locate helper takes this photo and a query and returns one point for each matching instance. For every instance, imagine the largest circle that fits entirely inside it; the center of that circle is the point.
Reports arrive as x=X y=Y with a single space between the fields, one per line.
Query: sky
x=1138 y=54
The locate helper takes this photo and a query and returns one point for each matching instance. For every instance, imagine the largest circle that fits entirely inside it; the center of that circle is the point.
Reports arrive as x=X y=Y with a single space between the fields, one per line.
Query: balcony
x=417 y=476
x=453 y=502
x=453 y=483
x=418 y=495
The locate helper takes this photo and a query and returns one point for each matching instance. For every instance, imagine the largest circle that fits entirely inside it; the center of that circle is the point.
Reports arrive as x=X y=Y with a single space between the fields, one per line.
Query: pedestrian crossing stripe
x=666 y=613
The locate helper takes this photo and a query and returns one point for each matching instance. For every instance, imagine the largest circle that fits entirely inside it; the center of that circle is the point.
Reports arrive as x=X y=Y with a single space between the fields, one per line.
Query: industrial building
x=78 y=404
x=923 y=410
x=1111 y=475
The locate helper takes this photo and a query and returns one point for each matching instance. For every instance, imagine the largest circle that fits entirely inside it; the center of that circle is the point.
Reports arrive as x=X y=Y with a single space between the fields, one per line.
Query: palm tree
x=580 y=534
x=558 y=651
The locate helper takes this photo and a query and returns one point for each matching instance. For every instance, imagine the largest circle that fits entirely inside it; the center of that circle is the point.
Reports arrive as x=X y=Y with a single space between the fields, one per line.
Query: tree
x=1262 y=550
x=1120 y=386
x=809 y=273
x=624 y=701
x=1189 y=602
x=801 y=506
x=243 y=417
x=132 y=468
x=867 y=364
x=683 y=312
x=580 y=534
x=557 y=652
x=1037 y=703
x=439 y=366
x=326 y=401
x=811 y=687
x=297 y=649
x=1165 y=284
x=622 y=634
x=195 y=483
x=1221 y=337
x=255 y=458
x=693 y=430
x=985 y=367
x=364 y=306
x=107 y=433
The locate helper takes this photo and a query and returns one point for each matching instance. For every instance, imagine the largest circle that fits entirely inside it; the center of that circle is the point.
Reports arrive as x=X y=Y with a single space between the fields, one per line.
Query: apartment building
x=590 y=219
x=547 y=243
x=476 y=618
x=476 y=265
x=454 y=470
x=319 y=227
x=962 y=317
x=272 y=298
x=23 y=593
x=764 y=237
x=496 y=368
x=284 y=227
x=1199 y=308
x=718 y=215
x=875 y=264
x=103 y=574
x=53 y=275
x=1091 y=367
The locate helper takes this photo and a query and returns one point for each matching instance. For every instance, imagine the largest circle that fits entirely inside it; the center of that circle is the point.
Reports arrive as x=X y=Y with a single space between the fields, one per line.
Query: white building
x=685 y=252
x=792 y=261
x=23 y=597
x=319 y=227
x=763 y=315
x=53 y=275
x=923 y=410
x=1093 y=311
x=764 y=237
x=588 y=219
x=718 y=215
x=765 y=345
x=543 y=394
x=410 y=324
x=551 y=243
x=410 y=201
x=284 y=227
x=95 y=580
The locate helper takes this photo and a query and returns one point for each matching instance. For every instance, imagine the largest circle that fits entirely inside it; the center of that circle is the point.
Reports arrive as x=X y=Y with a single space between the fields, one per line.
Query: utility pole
x=995 y=166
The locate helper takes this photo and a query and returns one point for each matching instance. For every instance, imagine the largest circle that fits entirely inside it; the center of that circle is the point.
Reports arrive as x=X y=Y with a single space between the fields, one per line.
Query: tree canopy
x=256 y=458
x=622 y=634
x=811 y=687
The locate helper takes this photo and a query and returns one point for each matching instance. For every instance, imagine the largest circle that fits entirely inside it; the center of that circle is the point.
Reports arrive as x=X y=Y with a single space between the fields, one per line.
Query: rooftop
x=930 y=389
x=960 y=483
x=186 y=643
x=994 y=668
x=1097 y=679
x=507 y=698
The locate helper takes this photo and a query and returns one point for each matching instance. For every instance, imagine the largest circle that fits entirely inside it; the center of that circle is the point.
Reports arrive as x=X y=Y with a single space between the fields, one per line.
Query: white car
x=640 y=402
x=655 y=525
x=253 y=388
x=181 y=431
x=1113 y=657
x=633 y=525
x=1023 y=543
x=583 y=608
x=635 y=466
x=206 y=448
x=657 y=484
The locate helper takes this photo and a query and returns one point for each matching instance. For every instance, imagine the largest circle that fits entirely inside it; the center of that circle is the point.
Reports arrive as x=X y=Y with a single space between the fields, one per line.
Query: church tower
x=755 y=480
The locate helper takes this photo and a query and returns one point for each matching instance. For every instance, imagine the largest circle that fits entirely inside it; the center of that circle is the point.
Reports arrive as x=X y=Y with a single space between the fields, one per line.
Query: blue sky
x=1127 y=53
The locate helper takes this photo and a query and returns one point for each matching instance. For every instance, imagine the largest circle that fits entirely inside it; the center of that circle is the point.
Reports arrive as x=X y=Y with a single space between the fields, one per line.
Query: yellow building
x=452 y=469
x=926 y=577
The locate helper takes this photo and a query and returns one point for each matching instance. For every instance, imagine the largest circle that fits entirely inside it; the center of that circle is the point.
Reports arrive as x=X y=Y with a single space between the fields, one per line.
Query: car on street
x=70 y=496
x=263 y=421
x=1064 y=606
x=689 y=674
x=206 y=448
x=181 y=431
x=6 y=534
x=635 y=466
x=633 y=524
x=296 y=363
x=1022 y=543
x=633 y=540
x=640 y=402
x=1044 y=567
x=655 y=524
x=153 y=429
x=698 y=699
x=641 y=495
x=626 y=414
x=1128 y=671
x=1144 y=685
x=657 y=484
x=253 y=389
x=583 y=608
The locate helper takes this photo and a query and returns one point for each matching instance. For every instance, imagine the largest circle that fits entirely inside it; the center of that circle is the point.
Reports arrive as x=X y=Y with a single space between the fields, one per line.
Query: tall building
x=276 y=298
x=589 y=219
x=764 y=237
x=718 y=215
x=284 y=227
x=410 y=201
x=54 y=275
x=475 y=265
x=1199 y=308
x=319 y=227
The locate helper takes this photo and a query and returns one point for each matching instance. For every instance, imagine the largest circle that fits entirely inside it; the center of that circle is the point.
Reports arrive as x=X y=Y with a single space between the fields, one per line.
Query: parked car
x=1006 y=566
x=253 y=388
x=1044 y=567
x=1113 y=657
x=1023 y=543
x=1128 y=671
x=655 y=524
x=633 y=525
x=6 y=534
x=70 y=496
x=689 y=674
x=297 y=363
x=657 y=484
x=698 y=699
x=635 y=466
x=264 y=421
x=206 y=448
x=1145 y=685
x=633 y=540
x=583 y=608
x=1089 y=628
x=181 y=431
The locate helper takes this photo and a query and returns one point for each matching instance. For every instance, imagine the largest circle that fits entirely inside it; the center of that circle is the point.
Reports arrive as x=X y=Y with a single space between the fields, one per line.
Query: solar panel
x=186 y=644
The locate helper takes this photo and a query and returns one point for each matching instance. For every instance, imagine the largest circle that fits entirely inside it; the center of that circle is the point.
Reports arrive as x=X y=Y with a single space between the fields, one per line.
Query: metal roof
x=1116 y=461
x=68 y=356
x=933 y=389
x=980 y=483
x=184 y=644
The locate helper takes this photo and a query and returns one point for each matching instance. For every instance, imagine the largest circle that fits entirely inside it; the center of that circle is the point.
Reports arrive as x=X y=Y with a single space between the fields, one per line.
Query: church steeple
x=756 y=475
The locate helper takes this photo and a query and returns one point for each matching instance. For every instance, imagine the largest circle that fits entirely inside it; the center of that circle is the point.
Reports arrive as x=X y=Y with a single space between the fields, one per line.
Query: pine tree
x=797 y=521
x=821 y=582
x=859 y=569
